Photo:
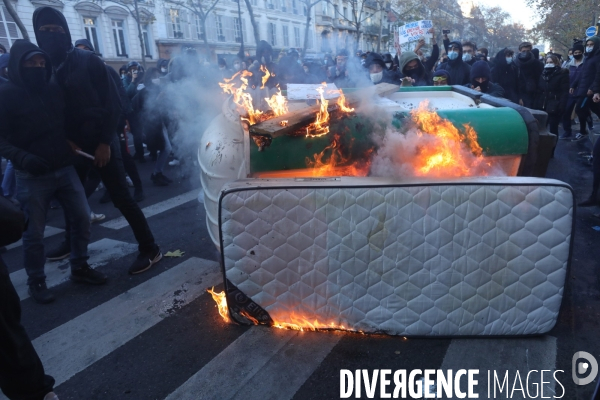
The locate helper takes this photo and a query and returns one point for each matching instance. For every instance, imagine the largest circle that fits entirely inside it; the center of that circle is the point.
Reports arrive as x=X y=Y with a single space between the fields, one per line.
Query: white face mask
x=388 y=65
x=589 y=49
x=163 y=70
x=375 y=78
x=156 y=81
x=549 y=65
x=467 y=57
x=509 y=60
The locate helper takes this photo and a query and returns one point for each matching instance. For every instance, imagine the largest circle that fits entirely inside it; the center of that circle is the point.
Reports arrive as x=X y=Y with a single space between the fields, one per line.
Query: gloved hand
x=34 y=165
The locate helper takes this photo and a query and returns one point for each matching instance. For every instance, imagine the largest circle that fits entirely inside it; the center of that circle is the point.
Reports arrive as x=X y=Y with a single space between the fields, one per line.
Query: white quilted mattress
x=476 y=256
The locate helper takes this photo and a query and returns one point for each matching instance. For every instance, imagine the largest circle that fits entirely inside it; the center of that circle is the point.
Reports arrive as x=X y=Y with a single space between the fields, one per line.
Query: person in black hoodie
x=459 y=70
x=481 y=80
x=506 y=74
x=21 y=371
x=93 y=110
x=33 y=137
x=377 y=71
x=554 y=92
x=530 y=70
x=586 y=83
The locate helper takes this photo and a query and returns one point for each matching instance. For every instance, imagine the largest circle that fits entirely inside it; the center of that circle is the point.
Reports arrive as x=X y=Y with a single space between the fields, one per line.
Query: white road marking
x=154 y=209
x=501 y=355
x=48 y=231
x=57 y=272
x=280 y=360
x=79 y=343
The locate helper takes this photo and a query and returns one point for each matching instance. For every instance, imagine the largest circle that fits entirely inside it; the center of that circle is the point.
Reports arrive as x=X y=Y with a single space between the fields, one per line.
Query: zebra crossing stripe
x=535 y=353
x=263 y=363
x=57 y=272
x=155 y=209
x=77 y=344
x=48 y=231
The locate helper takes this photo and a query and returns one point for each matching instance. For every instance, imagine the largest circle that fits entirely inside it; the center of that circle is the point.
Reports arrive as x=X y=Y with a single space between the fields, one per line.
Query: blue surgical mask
x=509 y=60
x=467 y=57
x=589 y=49
x=453 y=55
x=570 y=57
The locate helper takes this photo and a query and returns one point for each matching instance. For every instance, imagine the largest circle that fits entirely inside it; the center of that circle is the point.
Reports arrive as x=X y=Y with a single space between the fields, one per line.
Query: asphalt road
x=158 y=335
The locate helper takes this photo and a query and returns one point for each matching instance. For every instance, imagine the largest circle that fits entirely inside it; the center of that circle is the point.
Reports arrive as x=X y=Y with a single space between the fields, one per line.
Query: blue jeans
x=8 y=182
x=34 y=194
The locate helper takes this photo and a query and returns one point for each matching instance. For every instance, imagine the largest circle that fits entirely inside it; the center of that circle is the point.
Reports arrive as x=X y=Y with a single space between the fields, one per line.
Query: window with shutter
x=185 y=16
x=8 y=28
x=118 y=30
x=286 y=38
x=91 y=32
x=219 y=28
x=297 y=36
x=237 y=24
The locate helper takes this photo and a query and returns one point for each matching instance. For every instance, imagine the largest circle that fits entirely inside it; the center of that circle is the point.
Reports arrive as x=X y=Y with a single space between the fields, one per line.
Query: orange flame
x=221 y=301
x=449 y=153
x=266 y=75
x=278 y=104
x=342 y=103
x=240 y=97
x=320 y=127
x=332 y=162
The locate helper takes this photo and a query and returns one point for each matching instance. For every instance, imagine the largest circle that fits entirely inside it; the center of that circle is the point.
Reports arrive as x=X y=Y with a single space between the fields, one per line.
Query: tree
x=201 y=9
x=253 y=22
x=357 y=17
x=132 y=7
x=15 y=17
x=308 y=4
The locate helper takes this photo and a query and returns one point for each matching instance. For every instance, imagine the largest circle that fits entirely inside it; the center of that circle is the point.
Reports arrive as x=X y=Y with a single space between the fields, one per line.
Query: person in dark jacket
x=377 y=72
x=481 y=80
x=469 y=50
x=574 y=66
x=441 y=78
x=33 y=137
x=22 y=374
x=506 y=74
x=460 y=72
x=554 y=92
x=413 y=69
x=93 y=109
x=530 y=70
x=585 y=84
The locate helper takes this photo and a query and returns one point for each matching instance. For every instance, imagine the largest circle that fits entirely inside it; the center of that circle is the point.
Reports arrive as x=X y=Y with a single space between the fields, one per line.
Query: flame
x=284 y=123
x=266 y=75
x=332 y=161
x=320 y=127
x=447 y=153
x=240 y=97
x=221 y=301
x=278 y=104
x=342 y=106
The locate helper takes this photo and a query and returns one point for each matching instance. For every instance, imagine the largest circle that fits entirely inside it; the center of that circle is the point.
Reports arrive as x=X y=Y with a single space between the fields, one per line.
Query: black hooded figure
x=530 y=70
x=93 y=109
x=481 y=76
x=458 y=69
x=85 y=44
x=506 y=74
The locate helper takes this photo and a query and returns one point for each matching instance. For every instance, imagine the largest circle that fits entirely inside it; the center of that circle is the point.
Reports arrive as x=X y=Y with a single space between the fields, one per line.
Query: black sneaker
x=40 y=293
x=157 y=180
x=138 y=195
x=60 y=253
x=86 y=274
x=164 y=177
x=566 y=136
x=144 y=261
x=105 y=197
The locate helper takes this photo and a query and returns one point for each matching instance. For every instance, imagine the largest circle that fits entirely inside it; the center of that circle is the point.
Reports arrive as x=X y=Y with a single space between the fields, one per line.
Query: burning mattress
x=471 y=256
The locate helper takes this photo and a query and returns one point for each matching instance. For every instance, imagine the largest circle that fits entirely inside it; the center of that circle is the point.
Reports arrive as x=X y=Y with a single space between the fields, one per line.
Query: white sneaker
x=174 y=162
x=51 y=396
x=129 y=181
x=96 y=217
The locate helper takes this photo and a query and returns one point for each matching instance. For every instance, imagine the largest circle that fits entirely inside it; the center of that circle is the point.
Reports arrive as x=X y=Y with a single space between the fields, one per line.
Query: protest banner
x=413 y=31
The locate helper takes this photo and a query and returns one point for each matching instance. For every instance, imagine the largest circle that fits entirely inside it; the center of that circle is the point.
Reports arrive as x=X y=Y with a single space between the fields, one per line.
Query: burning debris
x=321 y=126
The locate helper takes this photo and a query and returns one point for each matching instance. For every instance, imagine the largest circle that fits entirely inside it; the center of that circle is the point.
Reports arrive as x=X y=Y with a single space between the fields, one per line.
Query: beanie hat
x=480 y=69
x=444 y=73
x=578 y=46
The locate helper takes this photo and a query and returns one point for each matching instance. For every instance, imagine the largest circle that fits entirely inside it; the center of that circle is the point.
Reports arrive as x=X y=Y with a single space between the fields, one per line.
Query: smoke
x=406 y=155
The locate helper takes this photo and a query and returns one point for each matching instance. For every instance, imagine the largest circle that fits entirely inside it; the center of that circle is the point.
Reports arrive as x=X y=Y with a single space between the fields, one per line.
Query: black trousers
x=129 y=164
x=138 y=136
x=113 y=176
x=582 y=109
x=596 y=170
x=553 y=121
x=22 y=374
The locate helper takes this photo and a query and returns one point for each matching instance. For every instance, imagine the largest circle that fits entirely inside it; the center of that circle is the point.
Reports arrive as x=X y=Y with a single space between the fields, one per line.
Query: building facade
x=168 y=28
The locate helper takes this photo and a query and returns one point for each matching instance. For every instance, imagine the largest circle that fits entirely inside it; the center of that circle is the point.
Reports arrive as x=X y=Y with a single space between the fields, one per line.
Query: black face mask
x=55 y=44
x=578 y=56
x=34 y=78
x=525 y=55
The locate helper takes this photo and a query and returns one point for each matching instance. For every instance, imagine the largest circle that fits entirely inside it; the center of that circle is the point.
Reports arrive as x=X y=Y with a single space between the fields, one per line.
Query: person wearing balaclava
x=506 y=74
x=530 y=70
x=480 y=80
x=413 y=69
x=586 y=84
x=574 y=65
x=33 y=137
x=93 y=110
x=377 y=71
x=459 y=70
